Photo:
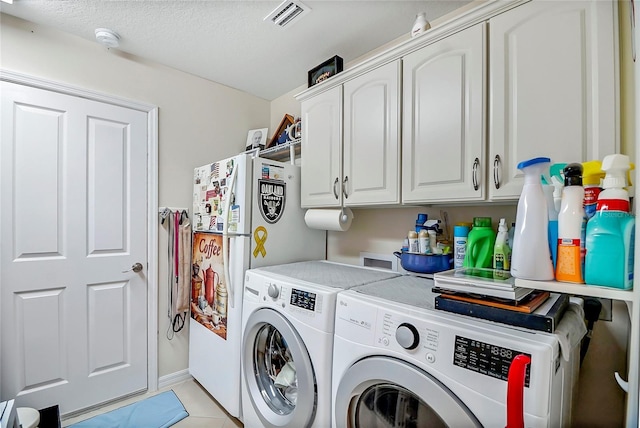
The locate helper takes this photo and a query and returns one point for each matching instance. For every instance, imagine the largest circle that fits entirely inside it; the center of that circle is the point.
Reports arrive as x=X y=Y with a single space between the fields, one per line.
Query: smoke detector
x=287 y=13
x=108 y=38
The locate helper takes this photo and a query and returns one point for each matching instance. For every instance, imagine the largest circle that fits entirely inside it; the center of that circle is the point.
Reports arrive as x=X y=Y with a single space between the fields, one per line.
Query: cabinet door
x=371 y=144
x=321 y=147
x=552 y=87
x=443 y=121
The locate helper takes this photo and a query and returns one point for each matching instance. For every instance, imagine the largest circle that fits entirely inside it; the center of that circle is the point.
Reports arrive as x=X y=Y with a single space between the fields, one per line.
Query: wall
x=285 y=104
x=199 y=122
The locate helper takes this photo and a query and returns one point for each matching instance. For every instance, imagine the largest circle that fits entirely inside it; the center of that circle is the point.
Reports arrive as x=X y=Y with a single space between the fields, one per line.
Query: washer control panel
x=407 y=336
x=395 y=332
x=432 y=341
x=485 y=358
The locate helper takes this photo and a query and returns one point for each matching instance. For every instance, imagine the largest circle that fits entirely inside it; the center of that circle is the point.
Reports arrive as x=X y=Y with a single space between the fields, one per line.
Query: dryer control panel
x=303 y=299
x=303 y=302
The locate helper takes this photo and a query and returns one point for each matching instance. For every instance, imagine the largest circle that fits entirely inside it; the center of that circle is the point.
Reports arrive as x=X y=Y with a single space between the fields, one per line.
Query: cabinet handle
x=344 y=187
x=335 y=191
x=474 y=177
x=496 y=171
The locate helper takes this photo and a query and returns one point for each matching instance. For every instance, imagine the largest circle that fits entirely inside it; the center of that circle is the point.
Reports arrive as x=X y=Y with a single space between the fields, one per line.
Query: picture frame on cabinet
x=280 y=135
x=256 y=138
x=322 y=72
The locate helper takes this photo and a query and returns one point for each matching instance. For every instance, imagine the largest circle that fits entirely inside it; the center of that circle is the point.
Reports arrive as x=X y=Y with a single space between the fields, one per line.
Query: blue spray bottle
x=552 y=188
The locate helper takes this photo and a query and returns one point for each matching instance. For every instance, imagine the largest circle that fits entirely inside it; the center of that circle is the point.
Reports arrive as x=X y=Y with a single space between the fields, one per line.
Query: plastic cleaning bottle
x=553 y=205
x=530 y=256
x=557 y=180
x=571 y=227
x=423 y=242
x=420 y=222
x=480 y=243
x=591 y=175
x=433 y=242
x=552 y=227
x=510 y=235
x=501 y=250
x=460 y=234
x=611 y=231
x=413 y=242
x=614 y=196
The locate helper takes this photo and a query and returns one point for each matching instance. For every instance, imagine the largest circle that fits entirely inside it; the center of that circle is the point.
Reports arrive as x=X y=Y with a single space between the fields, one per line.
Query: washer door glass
x=388 y=405
x=387 y=392
x=278 y=374
x=275 y=370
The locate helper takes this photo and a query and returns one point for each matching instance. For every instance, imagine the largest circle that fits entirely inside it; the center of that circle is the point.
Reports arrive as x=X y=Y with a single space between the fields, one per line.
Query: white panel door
x=73 y=197
x=322 y=150
x=552 y=80
x=371 y=149
x=443 y=119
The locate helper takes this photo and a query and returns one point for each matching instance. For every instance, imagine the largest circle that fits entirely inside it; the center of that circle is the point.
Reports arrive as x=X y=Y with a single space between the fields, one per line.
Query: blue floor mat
x=159 y=411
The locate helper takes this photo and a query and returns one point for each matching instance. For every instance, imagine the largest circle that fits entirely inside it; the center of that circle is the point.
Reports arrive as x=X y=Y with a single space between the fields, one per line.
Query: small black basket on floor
x=50 y=417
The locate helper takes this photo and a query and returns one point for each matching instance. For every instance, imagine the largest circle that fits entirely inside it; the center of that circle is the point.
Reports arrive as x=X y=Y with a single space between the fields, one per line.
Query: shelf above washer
x=578 y=289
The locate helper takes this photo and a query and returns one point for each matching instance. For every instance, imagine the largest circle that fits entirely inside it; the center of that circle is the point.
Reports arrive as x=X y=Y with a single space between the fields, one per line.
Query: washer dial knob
x=273 y=291
x=407 y=336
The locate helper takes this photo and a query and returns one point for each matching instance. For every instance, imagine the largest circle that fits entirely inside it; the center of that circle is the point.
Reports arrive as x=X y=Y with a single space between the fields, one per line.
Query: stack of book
x=492 y=295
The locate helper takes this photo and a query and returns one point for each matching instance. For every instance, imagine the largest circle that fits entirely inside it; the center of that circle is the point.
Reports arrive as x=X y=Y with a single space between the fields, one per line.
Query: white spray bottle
x=530 y=256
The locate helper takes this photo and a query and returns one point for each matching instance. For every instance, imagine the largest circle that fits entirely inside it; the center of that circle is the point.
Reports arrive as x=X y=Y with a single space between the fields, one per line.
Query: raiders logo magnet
x=271 y=198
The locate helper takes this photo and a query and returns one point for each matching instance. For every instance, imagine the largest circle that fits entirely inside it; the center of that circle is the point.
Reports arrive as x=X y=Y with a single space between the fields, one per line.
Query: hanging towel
x=179 y=270
x=183 y=285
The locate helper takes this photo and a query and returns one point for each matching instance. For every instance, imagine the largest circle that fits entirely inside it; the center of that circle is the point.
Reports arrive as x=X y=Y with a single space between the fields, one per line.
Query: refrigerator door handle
x=225 y=230
x=236 y=234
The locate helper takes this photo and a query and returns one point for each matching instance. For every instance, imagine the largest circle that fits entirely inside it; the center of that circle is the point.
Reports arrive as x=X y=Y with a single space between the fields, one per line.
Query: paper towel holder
x=344 y=217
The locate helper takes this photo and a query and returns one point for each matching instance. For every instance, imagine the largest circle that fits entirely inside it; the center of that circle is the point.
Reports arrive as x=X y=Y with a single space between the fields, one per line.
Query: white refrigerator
x=246 y=214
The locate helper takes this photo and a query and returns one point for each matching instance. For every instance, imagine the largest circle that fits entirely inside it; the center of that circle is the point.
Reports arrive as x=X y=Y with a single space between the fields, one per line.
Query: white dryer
x=398 y=362
x=288 y=319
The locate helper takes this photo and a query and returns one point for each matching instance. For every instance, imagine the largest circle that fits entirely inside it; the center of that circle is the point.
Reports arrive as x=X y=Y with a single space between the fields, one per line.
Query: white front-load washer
x=288 y=319
x=398 y=362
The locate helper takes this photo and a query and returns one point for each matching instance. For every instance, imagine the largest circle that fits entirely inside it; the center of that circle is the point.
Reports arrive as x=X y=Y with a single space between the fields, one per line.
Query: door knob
x=136 y=267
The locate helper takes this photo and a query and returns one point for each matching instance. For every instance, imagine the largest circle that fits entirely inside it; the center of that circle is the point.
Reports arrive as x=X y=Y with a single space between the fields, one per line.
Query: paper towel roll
x=329 y=219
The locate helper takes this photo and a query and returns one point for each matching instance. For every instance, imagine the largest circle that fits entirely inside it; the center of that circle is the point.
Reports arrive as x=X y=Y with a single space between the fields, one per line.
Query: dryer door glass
x=278 y=373
x=390 y=405
x=275 y=370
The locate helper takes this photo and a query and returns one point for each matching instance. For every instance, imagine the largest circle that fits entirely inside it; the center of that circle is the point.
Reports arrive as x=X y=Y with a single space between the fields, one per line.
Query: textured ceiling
x=228 y=42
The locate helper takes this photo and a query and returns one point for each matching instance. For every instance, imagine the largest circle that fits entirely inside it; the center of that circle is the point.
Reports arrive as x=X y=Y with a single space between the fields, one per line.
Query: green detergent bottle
x=480 y=243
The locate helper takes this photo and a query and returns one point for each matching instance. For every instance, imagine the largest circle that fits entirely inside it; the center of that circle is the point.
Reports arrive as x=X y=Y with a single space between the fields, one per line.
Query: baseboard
x=173 y=378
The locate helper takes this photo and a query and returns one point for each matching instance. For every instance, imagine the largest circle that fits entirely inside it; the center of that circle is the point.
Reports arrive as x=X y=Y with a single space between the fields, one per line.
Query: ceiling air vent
x=287 y=13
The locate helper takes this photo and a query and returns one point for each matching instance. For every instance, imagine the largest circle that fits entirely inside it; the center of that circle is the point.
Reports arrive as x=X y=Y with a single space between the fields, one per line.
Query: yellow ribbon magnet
x=260 y=236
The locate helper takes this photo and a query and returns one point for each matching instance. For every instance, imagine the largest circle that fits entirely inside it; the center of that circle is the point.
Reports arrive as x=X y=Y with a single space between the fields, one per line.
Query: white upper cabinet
x=321 y=146
x=503 y=83
x=360 y=168
x=371 y=152
x=552 y=82
x=443 y=119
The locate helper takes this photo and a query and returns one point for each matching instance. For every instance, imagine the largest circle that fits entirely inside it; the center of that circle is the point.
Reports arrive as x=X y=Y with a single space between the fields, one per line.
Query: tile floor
x=203 y=410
